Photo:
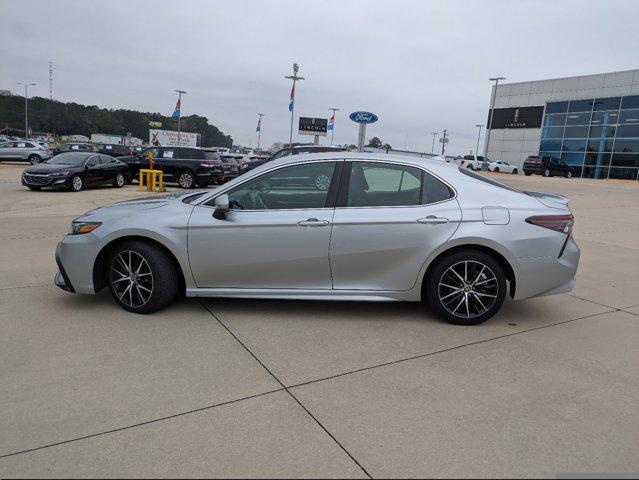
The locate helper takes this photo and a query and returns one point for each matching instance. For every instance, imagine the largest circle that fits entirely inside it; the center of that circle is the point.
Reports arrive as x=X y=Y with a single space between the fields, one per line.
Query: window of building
x=556 y=120
x=600 y=159
x=580 y=105
x=578 y=118
x=610 y=103
x=629 y=116
x=557 y=107
x=631 y=101
x=574 y=145
x=576 y=132
x=552 y=132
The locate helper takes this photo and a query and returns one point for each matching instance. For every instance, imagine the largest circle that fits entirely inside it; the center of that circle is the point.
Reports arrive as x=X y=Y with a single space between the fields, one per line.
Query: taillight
x=558 y=223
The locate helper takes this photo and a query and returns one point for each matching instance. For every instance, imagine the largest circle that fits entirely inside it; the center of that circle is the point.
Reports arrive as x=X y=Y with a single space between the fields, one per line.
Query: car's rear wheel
x=466 y=288
x=322 y=182
x=496 y=169
x=568 y=174
x=76 y=183
x=515 y=171
x=35 y=159
x=119 y=180
x=186 y=180
x=528 y=174
x=546 y=172
x=142 y=277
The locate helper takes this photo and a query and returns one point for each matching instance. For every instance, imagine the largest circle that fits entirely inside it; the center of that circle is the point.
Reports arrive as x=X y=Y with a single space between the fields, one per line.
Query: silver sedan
x=334 y=226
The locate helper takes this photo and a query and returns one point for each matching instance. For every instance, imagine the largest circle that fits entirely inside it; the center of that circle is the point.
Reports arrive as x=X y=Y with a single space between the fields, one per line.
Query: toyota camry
x=385 y=228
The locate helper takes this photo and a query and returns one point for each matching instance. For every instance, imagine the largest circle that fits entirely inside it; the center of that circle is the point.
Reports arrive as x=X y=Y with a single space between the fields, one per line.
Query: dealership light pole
x=478 y=136
x=179 y=92
x=432 y=148
x=26 y=107
x=492 y=107
x=333 y=126
x=259 y=128
x=291 y=105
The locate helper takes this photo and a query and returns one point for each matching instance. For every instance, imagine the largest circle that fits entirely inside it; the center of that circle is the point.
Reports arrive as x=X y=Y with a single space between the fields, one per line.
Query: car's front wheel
x=547 y=172
x=119 y=180
x=76 y=183
x=142 y=277
x=466 y=288
x=568 y=174
x=35 y=159
x=496 y=169
x=515 y=171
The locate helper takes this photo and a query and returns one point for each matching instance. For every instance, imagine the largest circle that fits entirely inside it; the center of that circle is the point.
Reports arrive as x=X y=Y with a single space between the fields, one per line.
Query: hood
x=551 y=200
x=128 y=207
x=44 y=168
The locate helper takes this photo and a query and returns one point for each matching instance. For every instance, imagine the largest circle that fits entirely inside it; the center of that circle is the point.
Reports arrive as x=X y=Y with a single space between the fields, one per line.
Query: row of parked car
x=188 y=167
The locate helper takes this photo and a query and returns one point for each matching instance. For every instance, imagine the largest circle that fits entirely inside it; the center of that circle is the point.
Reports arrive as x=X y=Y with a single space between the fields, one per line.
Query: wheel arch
x=493 y=252
x=99 y=266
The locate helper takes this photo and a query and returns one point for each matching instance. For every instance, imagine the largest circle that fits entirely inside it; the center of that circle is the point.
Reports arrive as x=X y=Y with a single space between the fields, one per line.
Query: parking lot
x=229 y=388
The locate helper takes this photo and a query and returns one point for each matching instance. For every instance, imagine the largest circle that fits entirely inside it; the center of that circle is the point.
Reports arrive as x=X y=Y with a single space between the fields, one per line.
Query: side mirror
x=221 y=207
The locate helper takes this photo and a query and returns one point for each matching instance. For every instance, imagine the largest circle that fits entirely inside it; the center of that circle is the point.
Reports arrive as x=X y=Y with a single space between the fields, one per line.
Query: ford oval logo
x=363 y=117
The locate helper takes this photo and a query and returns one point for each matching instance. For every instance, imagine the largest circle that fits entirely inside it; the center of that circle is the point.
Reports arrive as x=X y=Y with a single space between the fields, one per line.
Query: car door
x=109 y=167
x=388 y=220
x=273 y=236
x=6 y=150
x=93 y=172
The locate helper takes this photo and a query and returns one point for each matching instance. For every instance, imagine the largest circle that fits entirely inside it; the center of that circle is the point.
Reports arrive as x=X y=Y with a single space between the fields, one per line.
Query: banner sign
x=164 y=138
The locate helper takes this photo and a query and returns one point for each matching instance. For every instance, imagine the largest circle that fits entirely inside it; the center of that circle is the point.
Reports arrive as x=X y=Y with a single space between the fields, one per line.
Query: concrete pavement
x=239 y=388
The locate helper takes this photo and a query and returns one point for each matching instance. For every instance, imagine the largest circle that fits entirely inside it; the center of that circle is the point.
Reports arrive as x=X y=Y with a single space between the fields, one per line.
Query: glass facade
x=599 y=136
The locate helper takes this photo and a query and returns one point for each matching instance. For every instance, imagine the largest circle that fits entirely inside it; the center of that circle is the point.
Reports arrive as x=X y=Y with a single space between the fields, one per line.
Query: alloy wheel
x=77 y=183
x=468 y=289
x=34 y=159
x=119 y=180
x=131 y=278
x=185 y=180
x=322 y=182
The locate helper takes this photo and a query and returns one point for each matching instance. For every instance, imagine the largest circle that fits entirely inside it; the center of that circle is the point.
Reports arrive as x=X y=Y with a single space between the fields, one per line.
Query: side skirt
x=302 y=294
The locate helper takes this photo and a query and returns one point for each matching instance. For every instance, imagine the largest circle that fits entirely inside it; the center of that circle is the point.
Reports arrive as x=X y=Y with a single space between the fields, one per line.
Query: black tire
x=34 y=188
x=119 y=181
x=34 y=159
x=568 y=174
x=186 y=179
x=515 y=171
x=439 y=277
x=128 y=178
x=496 y=169
x=76 y=184
x=546 y=173
x=202 y=184
x=471 y=167
x=528 y=174
x=164 y=279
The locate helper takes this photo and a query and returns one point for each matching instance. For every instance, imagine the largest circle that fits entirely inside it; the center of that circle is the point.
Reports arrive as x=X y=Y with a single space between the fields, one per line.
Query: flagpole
x=180 y=92
x=259 y=131
x=333 y=127
x=295 y=78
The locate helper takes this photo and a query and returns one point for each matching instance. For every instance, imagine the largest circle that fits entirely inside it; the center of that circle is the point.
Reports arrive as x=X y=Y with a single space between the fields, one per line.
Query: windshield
x=490 y=181
x=68 y=159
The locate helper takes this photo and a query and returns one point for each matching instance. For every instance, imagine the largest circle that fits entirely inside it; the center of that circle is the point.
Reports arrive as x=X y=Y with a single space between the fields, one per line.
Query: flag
x=176 y=112
x=292 y=101
x=331 y=122
x=259 y=125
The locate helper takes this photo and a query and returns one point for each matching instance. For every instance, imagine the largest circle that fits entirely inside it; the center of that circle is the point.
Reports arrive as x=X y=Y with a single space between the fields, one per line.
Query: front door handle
x=313 y=222
x=432 y=220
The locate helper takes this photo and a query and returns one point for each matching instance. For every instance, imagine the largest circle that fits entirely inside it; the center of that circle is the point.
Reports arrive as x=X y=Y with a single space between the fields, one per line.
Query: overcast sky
x=422 y=66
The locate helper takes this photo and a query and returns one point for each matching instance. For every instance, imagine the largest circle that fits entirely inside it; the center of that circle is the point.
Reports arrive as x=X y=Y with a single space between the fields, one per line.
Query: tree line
x=69 y=118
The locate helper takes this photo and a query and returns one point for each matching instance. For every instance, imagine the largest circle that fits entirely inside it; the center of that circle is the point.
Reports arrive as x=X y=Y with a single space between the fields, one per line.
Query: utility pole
x=444 y=140
x=333 y=127
x=432 y=148
x=478 y=136
x=51 y=81
x=259 y=128
x=180 y=92
x=26 y=107
x=291 y=105
x=492 y=108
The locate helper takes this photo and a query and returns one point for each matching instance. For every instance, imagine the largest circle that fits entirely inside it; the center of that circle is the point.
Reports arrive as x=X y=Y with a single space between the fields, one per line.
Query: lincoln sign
x=519 y=117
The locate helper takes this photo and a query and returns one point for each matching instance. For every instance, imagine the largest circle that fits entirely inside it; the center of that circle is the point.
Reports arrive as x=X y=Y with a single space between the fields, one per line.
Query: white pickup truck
x=473 y=162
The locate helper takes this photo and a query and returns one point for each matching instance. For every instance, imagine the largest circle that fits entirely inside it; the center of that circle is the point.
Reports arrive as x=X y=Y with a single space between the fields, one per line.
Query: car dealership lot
x=281 y=388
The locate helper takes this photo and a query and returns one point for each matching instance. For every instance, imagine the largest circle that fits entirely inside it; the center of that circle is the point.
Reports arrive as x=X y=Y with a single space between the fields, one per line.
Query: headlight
x=78 y=228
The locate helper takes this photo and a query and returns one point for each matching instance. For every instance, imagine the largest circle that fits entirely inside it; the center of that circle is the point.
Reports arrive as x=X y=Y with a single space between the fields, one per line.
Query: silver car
x=28 y=150
x=386 y=228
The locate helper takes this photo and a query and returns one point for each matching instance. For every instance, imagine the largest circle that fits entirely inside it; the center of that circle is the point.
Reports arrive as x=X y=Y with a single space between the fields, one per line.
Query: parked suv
x=285 y=152
x=73 y=147
x=186 y=166
x=114 y=150
x=33 y=152
x=547 y=166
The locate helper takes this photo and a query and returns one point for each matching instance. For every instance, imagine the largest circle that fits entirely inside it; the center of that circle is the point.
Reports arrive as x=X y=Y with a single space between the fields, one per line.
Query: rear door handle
x=432 y=219
x=313 y=222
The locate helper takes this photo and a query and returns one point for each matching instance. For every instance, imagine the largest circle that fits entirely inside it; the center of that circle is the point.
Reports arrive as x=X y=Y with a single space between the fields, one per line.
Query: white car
x=501 y=166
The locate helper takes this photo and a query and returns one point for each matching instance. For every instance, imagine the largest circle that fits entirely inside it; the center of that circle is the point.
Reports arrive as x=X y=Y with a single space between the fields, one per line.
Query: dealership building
x=589 y=122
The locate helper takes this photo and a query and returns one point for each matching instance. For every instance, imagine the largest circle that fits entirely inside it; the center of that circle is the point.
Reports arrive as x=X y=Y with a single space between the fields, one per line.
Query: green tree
x=375 y=142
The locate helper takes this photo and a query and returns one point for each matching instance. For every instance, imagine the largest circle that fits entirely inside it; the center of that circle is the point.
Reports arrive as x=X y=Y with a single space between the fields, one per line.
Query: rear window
x=487 y=180
x=212 y=156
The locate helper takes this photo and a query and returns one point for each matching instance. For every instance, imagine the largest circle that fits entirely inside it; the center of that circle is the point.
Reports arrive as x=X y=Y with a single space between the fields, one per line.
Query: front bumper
x=61 y=279
x=44 y=181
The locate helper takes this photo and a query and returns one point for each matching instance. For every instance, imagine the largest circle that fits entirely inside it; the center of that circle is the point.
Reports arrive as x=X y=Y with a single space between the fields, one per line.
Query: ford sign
x=363 y=117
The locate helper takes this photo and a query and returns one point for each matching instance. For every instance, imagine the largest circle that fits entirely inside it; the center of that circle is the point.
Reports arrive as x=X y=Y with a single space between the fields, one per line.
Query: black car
x=114 y=150
x=73 y=147
x=186 y=166
x=74 y=170
x=547 y=166
x=290 y=151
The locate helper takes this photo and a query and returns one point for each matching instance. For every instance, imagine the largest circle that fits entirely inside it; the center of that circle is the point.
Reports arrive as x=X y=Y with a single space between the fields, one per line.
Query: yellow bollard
x=154 y=180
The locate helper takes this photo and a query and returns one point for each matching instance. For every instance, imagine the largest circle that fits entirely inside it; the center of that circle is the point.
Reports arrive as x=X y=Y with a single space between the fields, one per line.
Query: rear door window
x=373 y=184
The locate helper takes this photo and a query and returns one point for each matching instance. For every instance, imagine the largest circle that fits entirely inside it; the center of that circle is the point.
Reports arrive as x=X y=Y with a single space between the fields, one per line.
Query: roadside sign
x=312 y=126
x=363 y=117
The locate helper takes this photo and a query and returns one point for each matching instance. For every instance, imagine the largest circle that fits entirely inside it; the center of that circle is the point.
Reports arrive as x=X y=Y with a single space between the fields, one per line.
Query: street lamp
x=291 y=105
x=478 y=136
x=492 y=107
x=432 y=148
x=26 y=107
